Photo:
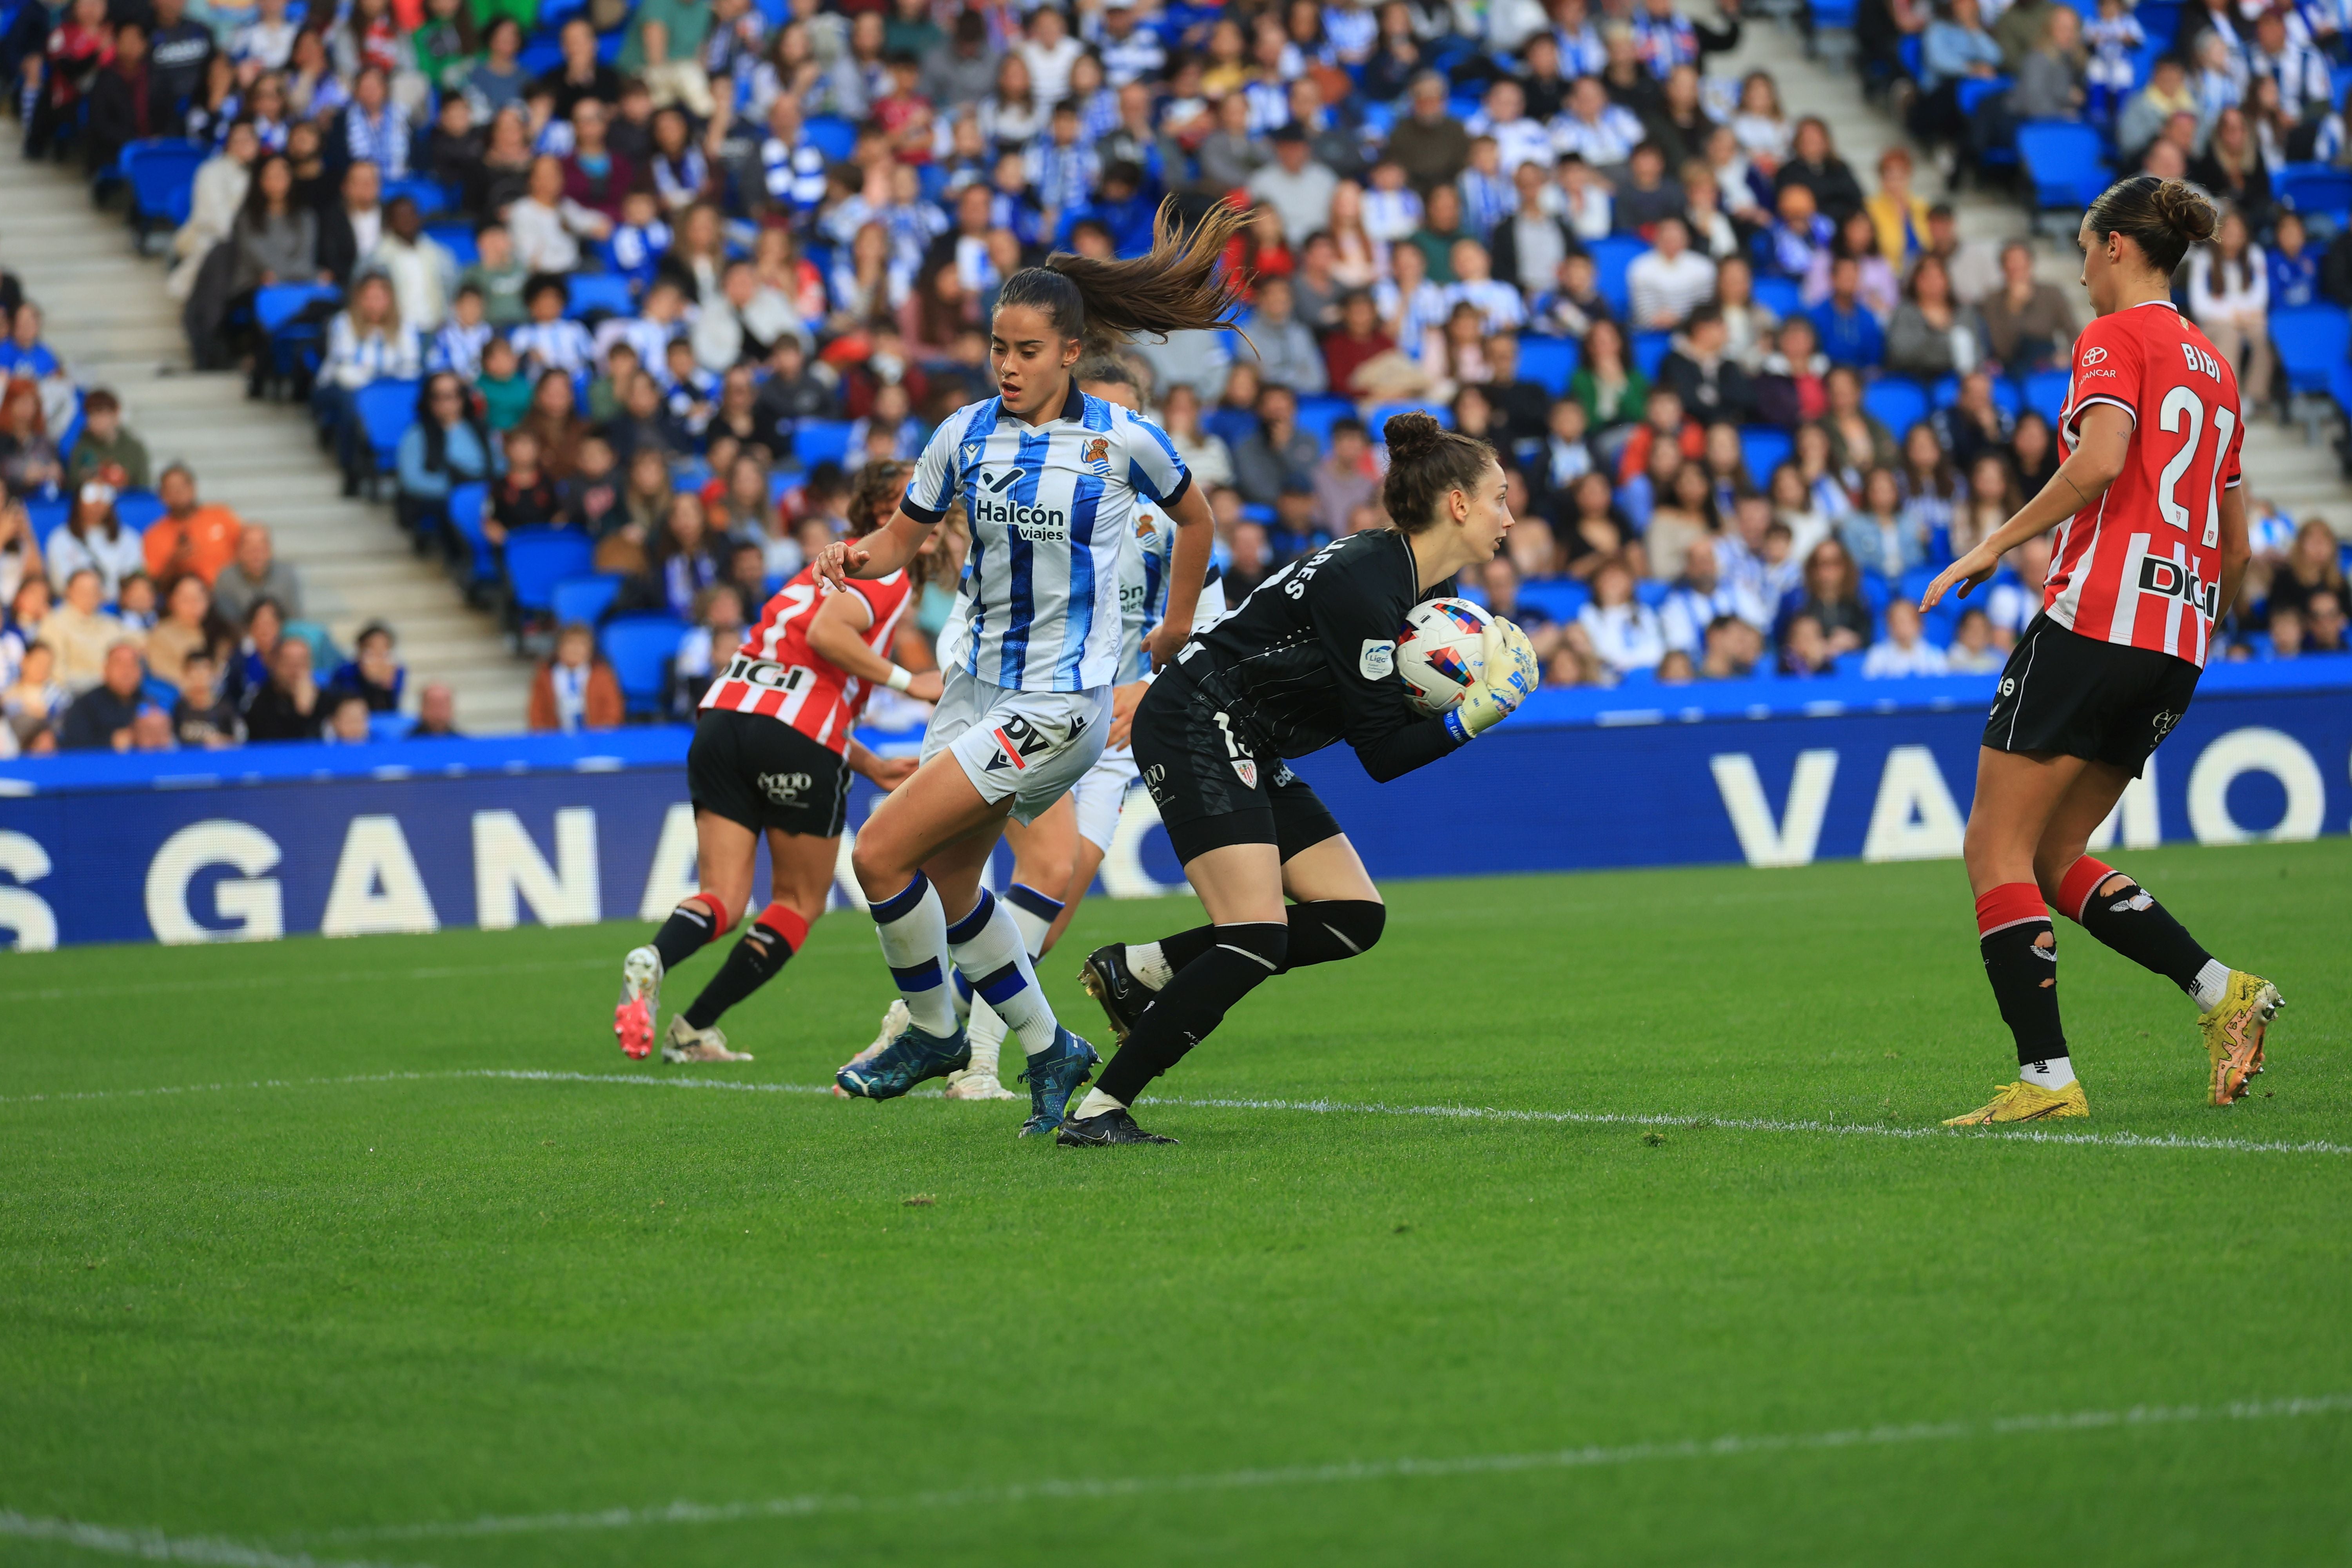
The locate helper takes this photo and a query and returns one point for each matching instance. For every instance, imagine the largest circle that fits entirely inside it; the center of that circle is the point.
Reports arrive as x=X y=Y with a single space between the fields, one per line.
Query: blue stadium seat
x=1781 y=296
x=1548 y=363
x=1230 y=426
x=835 y=138
x=585 y=598
x=1610 y=257
x=1765 y=447
x=1318 y=414
x=2316 y=191
x=2067 y=161
x=1558 y=598
x=1974 y=91
x=481 y=562
x=639 y=648
x=1650 y=350
x=1909 y=52
x=275 y=304
x=1651 y=591
x=540 y=558
x=2310 y=340
x=389 y=726
x=46 y=517
x=818 y=441
x=2045 y=392
x=427 y=195
x=538 y=56
x=1896 y=402
x=163 y=177
x=1383 y=413
x=457 y=239
x=137 y=509
x=161 y=693
x=386 y=409
x=598 y=291
x=1947 y=392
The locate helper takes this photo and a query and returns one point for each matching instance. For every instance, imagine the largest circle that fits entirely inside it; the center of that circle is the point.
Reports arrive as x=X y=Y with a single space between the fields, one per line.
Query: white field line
x=271 y=981
x=154 y=1546
x=1309 y=1106
x=1593 y=1457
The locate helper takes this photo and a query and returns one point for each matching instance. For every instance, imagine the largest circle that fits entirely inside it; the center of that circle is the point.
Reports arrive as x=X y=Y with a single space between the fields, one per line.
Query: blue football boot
x=905 y=1062
x=1052 y=1076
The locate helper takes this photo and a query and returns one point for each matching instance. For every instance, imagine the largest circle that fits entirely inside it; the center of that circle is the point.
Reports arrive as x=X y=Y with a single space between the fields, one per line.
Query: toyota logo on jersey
x=2094 y=356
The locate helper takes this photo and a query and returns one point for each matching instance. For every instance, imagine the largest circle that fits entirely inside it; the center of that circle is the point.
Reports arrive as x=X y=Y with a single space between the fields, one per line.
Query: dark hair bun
x=1411 y=437
x=2185 y=211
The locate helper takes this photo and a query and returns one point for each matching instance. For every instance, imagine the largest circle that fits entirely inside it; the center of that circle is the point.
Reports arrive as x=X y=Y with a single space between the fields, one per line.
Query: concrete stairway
x=2302 y=479
x=110 y=319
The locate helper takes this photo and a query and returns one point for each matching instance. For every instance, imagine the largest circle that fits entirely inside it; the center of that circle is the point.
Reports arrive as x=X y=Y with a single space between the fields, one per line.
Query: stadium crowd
x=610 y=298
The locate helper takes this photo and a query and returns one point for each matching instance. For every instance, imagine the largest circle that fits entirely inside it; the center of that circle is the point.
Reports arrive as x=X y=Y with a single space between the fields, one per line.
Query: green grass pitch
x=355 y=1305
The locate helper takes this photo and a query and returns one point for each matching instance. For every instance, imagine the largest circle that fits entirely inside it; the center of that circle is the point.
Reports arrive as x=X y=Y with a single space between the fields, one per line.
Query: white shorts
x=1102 y=793
x=1030 y=746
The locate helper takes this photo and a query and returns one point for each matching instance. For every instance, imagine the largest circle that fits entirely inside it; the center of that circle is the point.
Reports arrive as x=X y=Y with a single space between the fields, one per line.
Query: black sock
x=1194 y=1003
x=2021 y=961
x=751 y=963
x=2130 y=920
x=690 y=928
x=1322 y=932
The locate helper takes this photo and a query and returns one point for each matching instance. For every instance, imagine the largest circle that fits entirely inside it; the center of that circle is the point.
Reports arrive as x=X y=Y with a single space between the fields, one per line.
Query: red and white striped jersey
x=776 y=673
x=2143 y=566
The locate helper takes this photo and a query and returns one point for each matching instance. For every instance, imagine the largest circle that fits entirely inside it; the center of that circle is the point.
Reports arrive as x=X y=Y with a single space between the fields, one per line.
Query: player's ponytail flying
x=1176 y=286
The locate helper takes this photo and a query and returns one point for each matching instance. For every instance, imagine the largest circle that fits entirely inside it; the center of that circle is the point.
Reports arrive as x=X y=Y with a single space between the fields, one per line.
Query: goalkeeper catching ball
x=1309 y=659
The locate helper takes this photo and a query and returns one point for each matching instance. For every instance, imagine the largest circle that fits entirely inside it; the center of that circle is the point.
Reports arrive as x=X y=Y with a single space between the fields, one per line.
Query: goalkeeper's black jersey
x=1310 y=658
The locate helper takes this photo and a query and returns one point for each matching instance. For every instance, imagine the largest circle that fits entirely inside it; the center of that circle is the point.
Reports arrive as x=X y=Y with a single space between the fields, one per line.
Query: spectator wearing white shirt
x=1903 y=650
x=551 y=341
x=1972 y=652
x=1602 y=133
x=1625 y=632
x=547 y=225
x=1585 y=199
x=268 y=40
x=2016 y=596
x=375 y=129
x=1500 y=306
x=366 y=342
x=1287 y=352
x=2285 y=54
x=2230 y=297
x=1670 y=282
x=1518 y=139
x=1530 y=244
x=1296 y=187
x=1049 y=52
x=422 y=273
x=1701 y=595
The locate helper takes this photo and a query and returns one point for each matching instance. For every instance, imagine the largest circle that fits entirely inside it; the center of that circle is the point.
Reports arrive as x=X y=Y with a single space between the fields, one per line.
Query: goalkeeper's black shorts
x=1212 y=787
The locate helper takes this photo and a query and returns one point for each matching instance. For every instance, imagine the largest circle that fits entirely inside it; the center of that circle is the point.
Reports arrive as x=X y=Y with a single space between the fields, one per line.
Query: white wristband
x=900 y=679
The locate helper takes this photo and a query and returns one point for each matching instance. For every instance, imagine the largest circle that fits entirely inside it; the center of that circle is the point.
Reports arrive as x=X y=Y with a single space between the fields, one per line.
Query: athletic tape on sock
x=2082 y=879
x=787 y=923
x=721 y=918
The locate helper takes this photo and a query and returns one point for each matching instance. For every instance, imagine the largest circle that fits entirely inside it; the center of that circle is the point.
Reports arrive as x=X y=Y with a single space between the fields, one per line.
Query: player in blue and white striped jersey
x=1054 y=482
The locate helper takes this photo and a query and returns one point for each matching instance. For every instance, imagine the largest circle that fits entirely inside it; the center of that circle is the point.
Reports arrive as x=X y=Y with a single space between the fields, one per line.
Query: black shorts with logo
x=762 y=772
x=1211 y=785
x=2079 y=697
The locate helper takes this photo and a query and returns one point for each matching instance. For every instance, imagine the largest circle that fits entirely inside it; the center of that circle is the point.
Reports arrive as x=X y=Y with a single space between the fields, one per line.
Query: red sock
x=2082 y=879
x=786 y=922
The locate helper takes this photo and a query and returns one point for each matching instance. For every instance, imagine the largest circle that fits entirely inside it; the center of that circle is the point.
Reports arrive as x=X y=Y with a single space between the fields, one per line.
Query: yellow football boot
x=2233 y=1034
x=2023 y=1102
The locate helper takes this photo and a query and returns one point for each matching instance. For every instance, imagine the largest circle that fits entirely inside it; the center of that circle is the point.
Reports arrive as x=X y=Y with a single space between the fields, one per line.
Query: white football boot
x=688 y=1043
x=640 y=1003
x=986 y=1034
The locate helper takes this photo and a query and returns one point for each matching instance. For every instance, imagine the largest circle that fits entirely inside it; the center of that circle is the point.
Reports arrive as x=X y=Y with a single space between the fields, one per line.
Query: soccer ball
x=1440 y=651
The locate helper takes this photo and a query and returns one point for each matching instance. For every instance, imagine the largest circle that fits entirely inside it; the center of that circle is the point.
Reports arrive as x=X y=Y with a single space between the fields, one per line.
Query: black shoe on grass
x=1109 y=981
x=1102 y=1131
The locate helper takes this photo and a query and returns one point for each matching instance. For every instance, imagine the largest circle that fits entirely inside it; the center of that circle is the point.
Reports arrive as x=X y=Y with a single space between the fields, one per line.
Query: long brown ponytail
x=1175 y=287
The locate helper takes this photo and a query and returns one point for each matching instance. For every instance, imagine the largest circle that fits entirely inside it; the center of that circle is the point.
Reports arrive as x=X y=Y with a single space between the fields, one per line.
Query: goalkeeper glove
x=1507 y=675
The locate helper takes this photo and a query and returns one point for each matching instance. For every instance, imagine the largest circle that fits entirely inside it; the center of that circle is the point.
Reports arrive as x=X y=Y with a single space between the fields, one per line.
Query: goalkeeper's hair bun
x=1427 y=462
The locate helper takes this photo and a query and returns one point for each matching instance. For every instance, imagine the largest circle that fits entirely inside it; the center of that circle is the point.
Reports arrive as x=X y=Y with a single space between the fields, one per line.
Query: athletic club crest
x=1248 y=772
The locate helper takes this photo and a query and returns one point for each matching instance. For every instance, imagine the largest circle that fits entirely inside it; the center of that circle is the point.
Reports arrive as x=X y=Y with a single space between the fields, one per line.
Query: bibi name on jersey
x=1054 y=508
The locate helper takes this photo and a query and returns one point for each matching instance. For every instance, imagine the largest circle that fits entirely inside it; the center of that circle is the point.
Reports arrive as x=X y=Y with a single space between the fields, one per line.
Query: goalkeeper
x=1310 y=659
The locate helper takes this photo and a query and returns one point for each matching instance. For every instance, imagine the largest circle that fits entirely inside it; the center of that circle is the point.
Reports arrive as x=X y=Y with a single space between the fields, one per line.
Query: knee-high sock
x=1035 y=913
x=1322 y=931
x=1193 y=1005
x=699 y=920
x=768 y=944
x=987 y=947
x=2127 y=918
x=913 y=928
x=2020 y=959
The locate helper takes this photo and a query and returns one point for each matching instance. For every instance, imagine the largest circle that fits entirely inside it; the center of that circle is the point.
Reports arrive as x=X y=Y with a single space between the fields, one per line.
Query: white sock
x=985 y=1033
x=914 y=931
x=2212 y=985
x=1095 y=1104
x=2055 y=1074
x=1147 y=963
x=987 y=946
x=1034 y=914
